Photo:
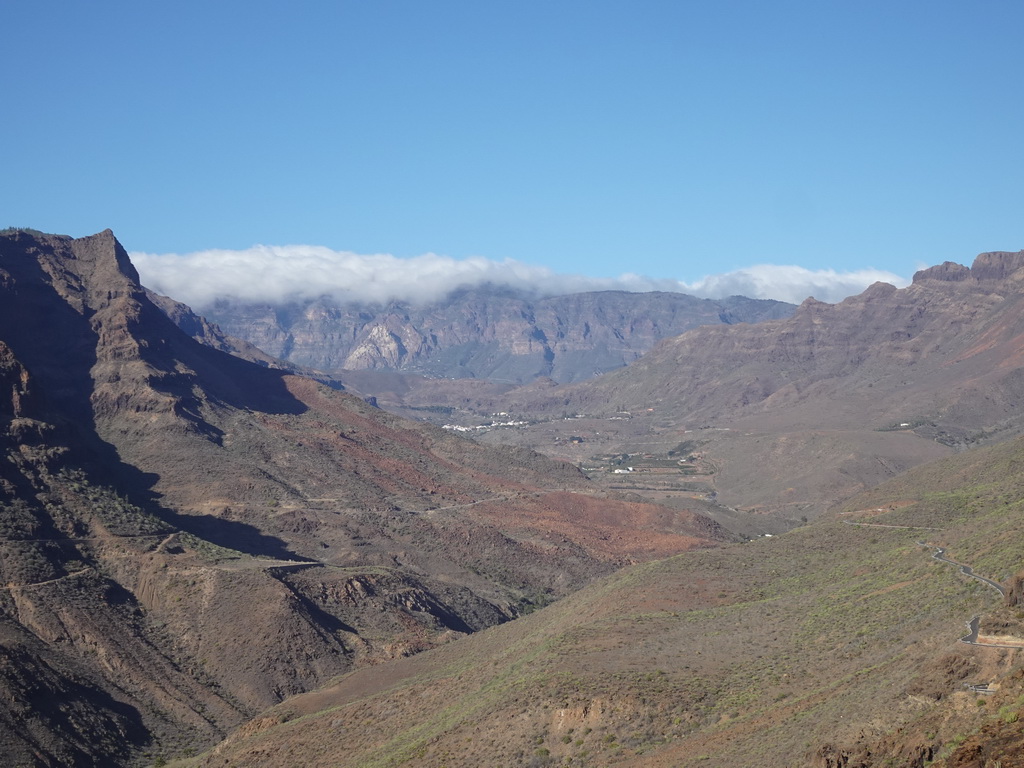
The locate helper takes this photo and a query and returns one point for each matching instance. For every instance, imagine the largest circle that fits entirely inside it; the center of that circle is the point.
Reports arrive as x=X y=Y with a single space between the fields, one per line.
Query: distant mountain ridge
x=960 y=330
x=834 y=399
x=487 y=332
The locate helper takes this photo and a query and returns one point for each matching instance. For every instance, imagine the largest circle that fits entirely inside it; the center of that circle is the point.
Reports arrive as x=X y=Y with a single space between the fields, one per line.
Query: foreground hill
x=833 y=646
x=487 y=332
x=189 y=537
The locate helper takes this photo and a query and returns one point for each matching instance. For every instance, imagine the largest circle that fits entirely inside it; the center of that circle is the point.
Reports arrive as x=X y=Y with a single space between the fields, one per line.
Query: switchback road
x=939 y=555
x=973 y=624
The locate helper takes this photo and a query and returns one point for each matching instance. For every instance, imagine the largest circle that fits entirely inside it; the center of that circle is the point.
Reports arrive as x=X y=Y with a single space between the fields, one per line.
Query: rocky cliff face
x=1014 y=596
x=187 y=537
x=484 y=333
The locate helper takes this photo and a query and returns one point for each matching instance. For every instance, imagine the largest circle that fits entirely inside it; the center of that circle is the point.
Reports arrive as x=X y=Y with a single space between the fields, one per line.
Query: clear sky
x=671 y=139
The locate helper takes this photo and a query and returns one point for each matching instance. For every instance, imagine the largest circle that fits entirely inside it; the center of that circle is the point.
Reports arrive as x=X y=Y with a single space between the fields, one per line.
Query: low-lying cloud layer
x=790 y=283
x=280 y=274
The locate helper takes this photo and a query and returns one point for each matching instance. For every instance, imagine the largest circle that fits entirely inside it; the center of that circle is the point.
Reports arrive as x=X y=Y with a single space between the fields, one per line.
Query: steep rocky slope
x=483 y=333
x=189 y=537
x=202 y=330
x=835 y=645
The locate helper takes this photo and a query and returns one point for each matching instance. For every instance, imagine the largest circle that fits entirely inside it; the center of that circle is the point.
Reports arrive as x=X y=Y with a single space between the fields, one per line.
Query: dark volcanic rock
x=1014 y=596
x=205 y=332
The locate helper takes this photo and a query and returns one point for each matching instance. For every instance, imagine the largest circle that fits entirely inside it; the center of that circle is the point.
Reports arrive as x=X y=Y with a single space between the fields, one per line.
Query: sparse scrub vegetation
x=814 y=611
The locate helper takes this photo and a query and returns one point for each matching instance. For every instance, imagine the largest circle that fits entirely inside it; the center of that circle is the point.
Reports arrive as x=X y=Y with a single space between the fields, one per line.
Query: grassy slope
x=755 y=654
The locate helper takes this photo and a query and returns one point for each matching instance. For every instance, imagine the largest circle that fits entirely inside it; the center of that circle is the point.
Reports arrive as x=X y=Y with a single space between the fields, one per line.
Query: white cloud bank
x=792 y=284
x=278 y=274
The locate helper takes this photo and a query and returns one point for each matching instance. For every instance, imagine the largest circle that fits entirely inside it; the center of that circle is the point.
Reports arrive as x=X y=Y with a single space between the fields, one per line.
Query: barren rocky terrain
x=799 y=413
x=189 y=537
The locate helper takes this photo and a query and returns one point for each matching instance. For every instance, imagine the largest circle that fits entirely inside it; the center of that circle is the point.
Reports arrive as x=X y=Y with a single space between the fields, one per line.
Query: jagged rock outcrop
x=948 y=270
x=1014 y=596
x=14 y=389
x=997 y=265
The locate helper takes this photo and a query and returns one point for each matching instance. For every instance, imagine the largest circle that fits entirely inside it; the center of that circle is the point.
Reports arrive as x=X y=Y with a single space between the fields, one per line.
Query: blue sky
x=669 y=139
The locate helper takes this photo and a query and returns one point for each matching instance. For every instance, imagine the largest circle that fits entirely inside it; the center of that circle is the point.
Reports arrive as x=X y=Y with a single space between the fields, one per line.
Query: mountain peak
x=86 y=272
x=879 y=290
x=810 y=304
x=947 y=271
x=107 y=255
x=997 y=265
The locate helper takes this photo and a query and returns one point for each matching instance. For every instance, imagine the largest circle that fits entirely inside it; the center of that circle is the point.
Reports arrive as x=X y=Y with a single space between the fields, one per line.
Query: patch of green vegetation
x=18 y=520
x=1008 y=714
x=208 y=549
x=118 y=515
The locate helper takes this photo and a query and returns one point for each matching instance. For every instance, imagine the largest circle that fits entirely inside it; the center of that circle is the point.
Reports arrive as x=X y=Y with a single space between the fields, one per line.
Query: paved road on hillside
x=939 y=555
x=973 y=624
x=971 y=639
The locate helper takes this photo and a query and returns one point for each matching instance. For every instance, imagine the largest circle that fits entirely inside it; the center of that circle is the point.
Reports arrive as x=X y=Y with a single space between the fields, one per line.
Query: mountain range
x=800 y=413
x=944 y=352
x=210 y=558
x=489 y=332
